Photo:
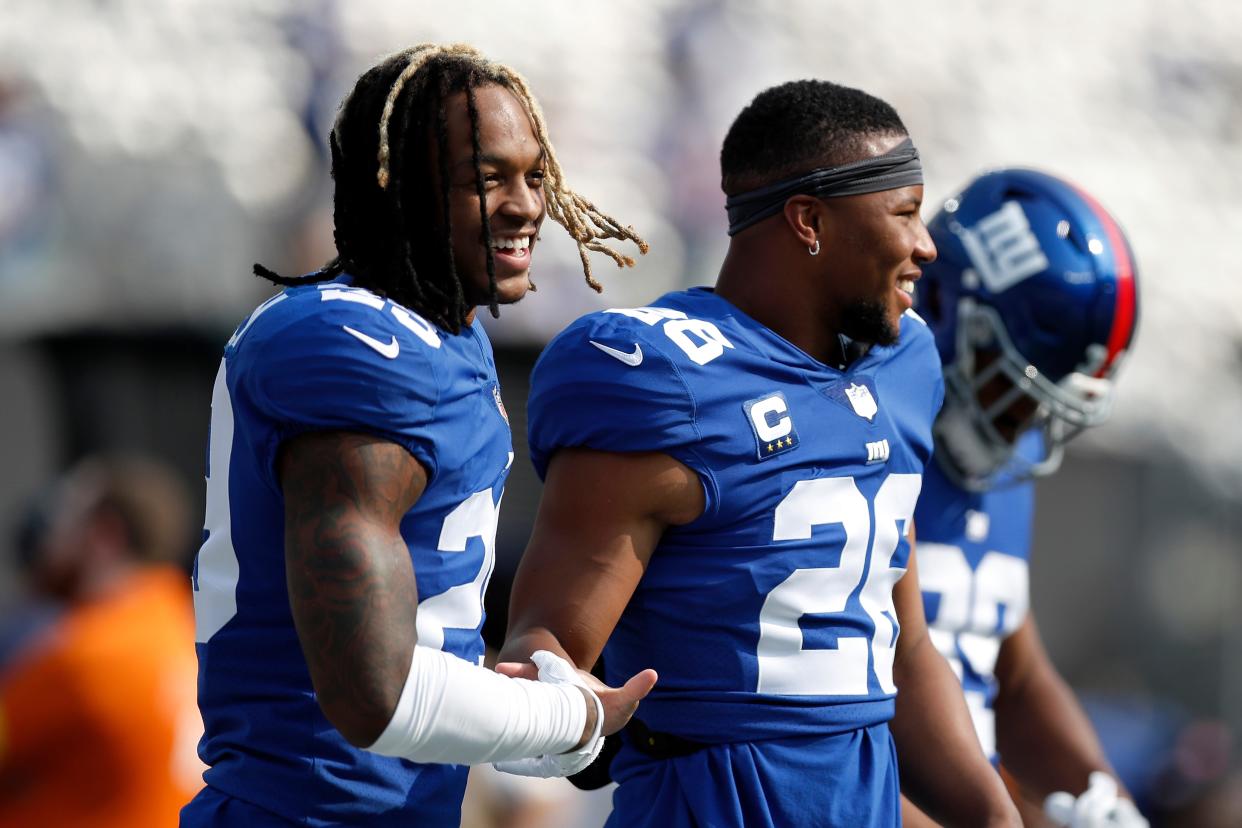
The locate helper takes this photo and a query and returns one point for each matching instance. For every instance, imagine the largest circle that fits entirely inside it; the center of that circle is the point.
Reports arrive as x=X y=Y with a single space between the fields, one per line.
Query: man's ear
x=805 y=216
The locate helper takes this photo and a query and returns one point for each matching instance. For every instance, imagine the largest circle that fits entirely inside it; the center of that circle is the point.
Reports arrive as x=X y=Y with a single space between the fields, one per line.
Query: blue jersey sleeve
x=319 y=363
x=607 y=383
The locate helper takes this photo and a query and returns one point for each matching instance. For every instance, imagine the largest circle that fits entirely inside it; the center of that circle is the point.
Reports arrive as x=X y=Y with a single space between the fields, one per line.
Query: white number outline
x=785 y=667
x=967 y=620
x=216 y=570
x=461 y=607
x=678 y=327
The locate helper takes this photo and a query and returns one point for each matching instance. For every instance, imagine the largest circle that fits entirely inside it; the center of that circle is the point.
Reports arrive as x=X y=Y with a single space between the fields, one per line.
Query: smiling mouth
x=513 y=251
x=512 y=245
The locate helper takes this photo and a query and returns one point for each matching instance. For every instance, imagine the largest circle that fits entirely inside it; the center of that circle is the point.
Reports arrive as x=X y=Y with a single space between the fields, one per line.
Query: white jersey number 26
x=785 y=667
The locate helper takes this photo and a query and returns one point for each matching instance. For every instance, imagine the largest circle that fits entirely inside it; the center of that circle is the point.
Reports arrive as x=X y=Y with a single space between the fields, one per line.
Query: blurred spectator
x=32 y=611
x=98 y=718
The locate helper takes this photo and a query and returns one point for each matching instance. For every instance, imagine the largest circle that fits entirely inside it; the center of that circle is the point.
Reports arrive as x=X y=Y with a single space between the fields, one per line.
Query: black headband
x=899 y=167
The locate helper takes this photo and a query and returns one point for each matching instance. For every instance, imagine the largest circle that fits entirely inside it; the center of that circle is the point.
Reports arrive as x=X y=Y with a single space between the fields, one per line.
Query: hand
x=615 y=705
x=619 y=702
x=1100 y=806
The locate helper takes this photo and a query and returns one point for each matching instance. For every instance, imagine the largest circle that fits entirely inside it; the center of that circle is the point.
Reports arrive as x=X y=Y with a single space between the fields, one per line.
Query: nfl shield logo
x=861 y=400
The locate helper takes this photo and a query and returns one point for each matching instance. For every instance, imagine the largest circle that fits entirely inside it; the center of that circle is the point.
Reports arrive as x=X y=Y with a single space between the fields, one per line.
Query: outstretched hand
x=619 y=702
x=614 y=704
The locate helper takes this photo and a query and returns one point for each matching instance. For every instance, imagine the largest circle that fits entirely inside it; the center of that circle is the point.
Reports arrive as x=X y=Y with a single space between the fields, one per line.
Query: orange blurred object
x=98 y=720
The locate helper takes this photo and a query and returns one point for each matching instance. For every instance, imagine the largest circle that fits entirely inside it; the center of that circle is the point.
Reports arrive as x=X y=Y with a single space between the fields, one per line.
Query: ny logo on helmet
x=1003 y=249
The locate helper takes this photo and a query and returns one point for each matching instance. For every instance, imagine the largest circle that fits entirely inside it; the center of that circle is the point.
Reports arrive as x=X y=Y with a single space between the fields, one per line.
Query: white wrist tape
x=454 y=712
x=556 y=670
x=1100 y=806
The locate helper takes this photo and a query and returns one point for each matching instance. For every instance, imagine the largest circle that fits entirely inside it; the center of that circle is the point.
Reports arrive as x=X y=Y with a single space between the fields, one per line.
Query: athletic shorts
x=847 y=780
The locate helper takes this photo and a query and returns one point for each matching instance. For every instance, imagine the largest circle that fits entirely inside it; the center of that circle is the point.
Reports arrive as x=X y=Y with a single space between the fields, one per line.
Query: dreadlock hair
x=390 y=235
x=798 y=126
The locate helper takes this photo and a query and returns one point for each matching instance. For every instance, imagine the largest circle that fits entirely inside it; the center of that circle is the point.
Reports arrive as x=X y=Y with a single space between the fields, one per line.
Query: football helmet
x=1033 y=300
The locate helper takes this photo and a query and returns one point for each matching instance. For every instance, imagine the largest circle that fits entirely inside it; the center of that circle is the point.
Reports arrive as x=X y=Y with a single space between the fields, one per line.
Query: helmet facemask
x=973 y=450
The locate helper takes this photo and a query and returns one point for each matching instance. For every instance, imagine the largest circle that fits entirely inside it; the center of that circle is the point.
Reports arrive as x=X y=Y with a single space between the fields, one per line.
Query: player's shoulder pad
x=336 y=356
x=917 y=338
x=918 y=343
x=319 y=313
x=611 y=381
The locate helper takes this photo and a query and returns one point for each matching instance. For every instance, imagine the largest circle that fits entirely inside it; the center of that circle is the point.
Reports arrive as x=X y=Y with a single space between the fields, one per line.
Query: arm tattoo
x=350 y=581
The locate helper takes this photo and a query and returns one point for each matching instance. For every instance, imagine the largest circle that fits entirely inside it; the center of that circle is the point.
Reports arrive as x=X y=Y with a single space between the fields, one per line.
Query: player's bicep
x=600 y=518
x=350 y=580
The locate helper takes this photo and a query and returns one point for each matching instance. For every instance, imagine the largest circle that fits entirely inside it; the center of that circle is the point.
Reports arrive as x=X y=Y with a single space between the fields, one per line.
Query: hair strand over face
x=392 y=232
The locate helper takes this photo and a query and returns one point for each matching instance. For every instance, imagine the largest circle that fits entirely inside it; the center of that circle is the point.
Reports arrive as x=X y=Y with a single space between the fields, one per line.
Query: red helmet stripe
x=1127 y=299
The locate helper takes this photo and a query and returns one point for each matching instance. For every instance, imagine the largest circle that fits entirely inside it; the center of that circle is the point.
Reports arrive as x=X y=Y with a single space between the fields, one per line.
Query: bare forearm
x=519 y=646
x=937 y=748
x=1046 y=740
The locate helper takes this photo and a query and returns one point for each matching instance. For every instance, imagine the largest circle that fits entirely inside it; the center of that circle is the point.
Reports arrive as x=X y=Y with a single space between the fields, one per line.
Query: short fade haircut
x=799 y=126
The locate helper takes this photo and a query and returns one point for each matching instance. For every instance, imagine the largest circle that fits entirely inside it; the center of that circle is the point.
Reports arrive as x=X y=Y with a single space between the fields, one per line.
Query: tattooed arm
x=352 y=590
x=351 y=584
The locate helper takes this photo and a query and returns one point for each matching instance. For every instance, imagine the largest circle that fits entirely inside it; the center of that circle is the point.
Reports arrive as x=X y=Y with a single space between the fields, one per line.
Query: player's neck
x=767 y=290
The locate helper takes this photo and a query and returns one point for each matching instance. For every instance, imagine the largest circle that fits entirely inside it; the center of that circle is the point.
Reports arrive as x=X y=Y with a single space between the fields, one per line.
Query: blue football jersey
x=336 y=357
x=973 y=550
x=771 y=614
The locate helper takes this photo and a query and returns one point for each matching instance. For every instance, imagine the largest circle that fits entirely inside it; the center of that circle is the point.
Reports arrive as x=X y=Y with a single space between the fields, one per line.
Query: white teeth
x=517 y=243
x=906 y=285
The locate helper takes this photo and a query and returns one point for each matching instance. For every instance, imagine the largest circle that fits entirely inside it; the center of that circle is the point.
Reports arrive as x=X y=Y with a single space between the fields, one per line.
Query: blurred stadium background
x=152 y=150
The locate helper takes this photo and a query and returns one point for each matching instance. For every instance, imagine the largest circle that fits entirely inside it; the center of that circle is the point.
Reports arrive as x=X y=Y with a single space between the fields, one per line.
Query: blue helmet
x=1034 y=292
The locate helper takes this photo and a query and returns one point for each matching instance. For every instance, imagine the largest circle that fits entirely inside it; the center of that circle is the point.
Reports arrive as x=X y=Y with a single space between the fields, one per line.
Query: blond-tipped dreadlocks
x=383 y=201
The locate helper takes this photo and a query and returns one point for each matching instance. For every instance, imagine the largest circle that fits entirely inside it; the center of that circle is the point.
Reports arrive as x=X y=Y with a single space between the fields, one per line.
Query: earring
x=814 y=250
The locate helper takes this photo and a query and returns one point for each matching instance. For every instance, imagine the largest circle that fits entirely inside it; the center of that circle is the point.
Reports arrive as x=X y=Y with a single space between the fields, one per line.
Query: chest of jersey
x=782 y=589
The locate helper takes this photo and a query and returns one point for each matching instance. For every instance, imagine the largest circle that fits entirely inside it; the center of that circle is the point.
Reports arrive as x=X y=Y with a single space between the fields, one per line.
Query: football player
x=1033 y=302
x=730 y=479
x=358 y=452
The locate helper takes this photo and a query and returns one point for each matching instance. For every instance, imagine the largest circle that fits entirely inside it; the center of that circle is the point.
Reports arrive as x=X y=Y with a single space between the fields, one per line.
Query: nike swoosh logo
x=385 y=349
x=630 y=359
